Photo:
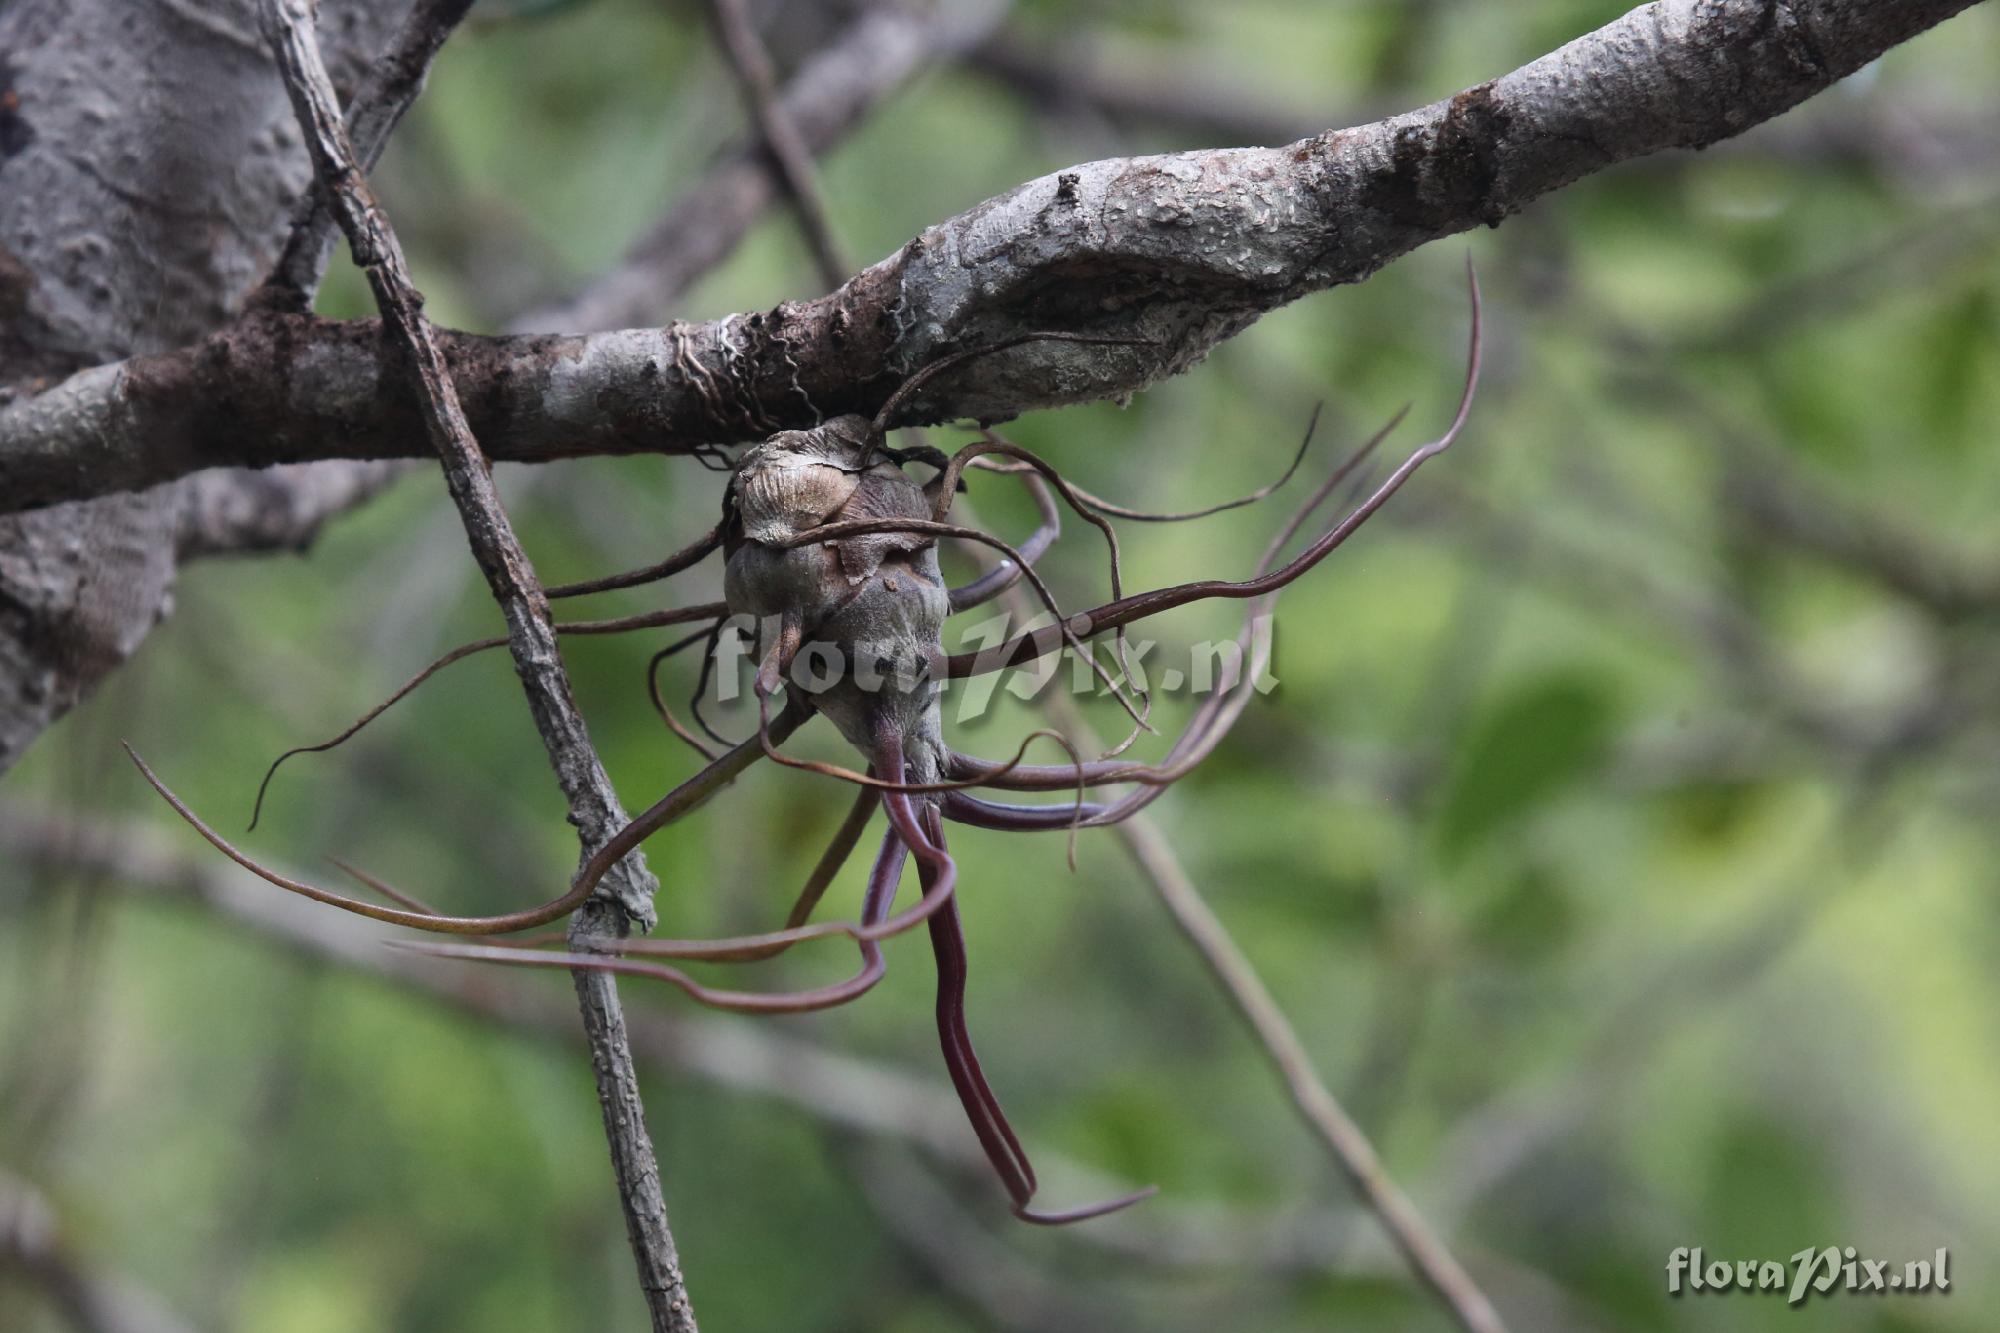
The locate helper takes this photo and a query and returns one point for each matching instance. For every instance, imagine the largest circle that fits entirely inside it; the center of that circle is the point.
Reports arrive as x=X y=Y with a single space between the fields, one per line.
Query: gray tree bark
x=148 y=164
x=1178 y=251
x=121 y=235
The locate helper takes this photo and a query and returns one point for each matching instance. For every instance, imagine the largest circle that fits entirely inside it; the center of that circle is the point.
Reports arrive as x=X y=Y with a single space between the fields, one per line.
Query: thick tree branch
x=1182 y=251
x=70 y=567
x=593 y=804
x=55 y=561
x=149 y=155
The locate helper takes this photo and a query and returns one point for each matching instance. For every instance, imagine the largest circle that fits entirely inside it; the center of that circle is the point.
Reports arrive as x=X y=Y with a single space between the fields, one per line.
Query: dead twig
x=1237 y=977
x=593 y=804
x=791 y=156
x=393 y=85
x=826 y=98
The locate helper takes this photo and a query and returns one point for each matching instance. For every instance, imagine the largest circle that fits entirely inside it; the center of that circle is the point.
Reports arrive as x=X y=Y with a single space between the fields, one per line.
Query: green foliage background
x=1624 y=854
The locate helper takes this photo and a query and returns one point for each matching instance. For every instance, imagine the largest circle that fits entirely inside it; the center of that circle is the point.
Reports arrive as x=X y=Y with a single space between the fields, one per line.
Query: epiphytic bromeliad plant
x=832 y=553
x=127 y=132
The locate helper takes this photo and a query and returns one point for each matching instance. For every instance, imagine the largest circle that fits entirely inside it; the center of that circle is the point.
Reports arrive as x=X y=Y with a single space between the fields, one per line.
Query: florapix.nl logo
x=1132 y=663
x=1811 y=1272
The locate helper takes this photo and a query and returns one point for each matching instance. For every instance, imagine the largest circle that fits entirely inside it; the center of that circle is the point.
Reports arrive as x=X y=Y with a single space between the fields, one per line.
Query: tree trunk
x=148 y=163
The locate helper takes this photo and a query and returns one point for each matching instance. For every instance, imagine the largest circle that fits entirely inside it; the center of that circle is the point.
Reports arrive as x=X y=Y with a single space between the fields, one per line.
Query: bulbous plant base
x=831 y=551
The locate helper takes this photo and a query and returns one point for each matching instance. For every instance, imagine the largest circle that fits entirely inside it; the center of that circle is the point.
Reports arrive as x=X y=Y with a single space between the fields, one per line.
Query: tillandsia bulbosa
x=831 y=550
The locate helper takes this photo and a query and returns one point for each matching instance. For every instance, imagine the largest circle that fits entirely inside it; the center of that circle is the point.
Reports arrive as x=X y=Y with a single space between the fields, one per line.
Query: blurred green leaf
x=1539 y=739
x=1532 y=918
x=1768 y=1191
x=1961 y=365
x=1712 y=810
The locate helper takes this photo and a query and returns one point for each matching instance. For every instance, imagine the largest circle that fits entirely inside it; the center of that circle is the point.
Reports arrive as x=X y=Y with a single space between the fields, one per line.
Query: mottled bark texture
x=1181 y=250
x=147 y=166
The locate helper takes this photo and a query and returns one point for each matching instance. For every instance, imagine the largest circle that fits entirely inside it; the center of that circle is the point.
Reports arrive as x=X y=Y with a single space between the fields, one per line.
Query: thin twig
x=791 y=156
x=827 y=97
x=1321 y=1110
x=848 y=1093
x=593 y=804
x=393 y=85
x=1344 y=1138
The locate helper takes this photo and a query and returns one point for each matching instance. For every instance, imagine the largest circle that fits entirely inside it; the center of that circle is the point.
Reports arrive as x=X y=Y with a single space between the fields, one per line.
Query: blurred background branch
x=33 y=1246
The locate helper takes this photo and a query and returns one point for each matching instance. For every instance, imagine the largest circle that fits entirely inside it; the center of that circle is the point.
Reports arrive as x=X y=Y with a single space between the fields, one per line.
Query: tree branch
x=748 y=1057
x=146 y=164
x=1345 y=1140
x=1181 y=251
x=791 y=157
x=593 y=804
x=394 y=83
x=745 y=1055
x=32 y=1240
x=829 y=95
x=1433 y=1264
